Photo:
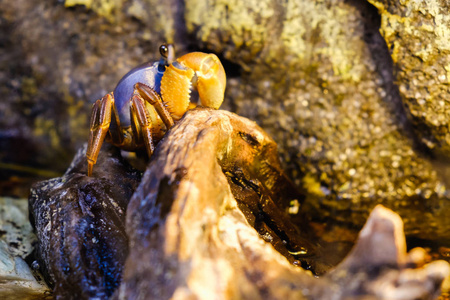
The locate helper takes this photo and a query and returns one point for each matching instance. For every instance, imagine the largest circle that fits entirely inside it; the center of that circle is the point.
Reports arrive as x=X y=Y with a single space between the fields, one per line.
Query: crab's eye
x=164 y=50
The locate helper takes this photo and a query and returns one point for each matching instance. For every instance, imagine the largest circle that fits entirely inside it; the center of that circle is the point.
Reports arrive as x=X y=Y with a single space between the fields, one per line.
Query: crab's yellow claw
x=211 y=78
x=176 y=89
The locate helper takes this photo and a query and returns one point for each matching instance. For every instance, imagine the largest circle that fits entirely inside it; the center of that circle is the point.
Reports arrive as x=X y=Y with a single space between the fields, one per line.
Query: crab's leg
x=152 y=97
x=99 y=126
x=116 y=132
x=141 y=123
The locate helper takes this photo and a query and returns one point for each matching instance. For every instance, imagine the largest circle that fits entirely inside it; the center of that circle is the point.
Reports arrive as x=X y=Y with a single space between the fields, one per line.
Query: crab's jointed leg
x=141 y=124
x=99 y=127
x=105 y=124
x=151 y=96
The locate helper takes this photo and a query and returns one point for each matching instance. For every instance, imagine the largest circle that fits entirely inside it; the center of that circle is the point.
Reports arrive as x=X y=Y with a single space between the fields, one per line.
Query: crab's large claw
x=211 y=78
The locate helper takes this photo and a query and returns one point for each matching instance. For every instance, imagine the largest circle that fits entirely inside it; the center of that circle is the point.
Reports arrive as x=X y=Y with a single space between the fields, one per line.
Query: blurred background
x=355 y=93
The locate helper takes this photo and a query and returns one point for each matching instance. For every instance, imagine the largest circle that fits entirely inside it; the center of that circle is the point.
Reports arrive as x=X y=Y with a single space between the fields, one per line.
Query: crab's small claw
x=211 y=78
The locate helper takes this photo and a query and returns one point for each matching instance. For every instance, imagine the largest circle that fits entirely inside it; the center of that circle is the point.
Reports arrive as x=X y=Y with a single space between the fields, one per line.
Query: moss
x=312 y=185
x=104 y=8
x=297 y=32
x=243 y=22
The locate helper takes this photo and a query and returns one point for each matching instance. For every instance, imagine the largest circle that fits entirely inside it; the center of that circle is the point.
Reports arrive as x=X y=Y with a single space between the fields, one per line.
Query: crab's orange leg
x=141 y=124
x=99 y=127
x=116 y=132
x=152 y=97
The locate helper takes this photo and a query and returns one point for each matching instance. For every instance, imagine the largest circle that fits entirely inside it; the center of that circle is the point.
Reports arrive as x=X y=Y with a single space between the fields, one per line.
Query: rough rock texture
x=79 y=222
x=15 y=229
x=418 y=36
x=17 y=280
x=320 y=85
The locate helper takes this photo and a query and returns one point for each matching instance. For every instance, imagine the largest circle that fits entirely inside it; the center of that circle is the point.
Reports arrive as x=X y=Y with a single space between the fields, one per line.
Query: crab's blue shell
x=149 y=74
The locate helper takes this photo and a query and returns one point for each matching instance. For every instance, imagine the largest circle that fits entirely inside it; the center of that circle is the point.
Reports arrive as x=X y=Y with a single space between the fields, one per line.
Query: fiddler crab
x=151 y=98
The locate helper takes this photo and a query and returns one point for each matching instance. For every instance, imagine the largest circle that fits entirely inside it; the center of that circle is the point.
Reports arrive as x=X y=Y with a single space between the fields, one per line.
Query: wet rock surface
x=79 y=222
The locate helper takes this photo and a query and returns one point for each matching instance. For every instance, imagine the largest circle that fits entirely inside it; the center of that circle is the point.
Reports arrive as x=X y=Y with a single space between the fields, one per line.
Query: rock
x=15 y=228
x=17 y=280
x=320 y=82
x=418 y=35
x=79 y=222
x=48 y=82
x=322 y=87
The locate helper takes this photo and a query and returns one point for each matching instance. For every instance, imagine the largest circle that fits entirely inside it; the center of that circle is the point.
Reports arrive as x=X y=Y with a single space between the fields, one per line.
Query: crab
x=151 y=98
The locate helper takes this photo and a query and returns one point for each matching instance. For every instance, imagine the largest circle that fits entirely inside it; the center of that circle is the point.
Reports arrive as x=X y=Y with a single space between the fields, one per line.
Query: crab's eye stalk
x=211 y=78
x=167 y=52
x=164 y=50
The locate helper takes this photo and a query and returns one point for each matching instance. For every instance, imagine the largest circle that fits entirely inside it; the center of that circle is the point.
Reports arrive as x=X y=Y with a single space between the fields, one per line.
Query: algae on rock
x=418 y=36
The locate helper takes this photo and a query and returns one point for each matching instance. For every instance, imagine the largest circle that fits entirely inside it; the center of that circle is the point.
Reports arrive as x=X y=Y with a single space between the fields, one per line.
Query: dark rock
x=79 y=222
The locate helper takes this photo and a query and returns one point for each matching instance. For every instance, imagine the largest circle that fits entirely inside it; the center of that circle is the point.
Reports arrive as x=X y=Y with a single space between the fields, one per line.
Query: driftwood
x=378 y=265
x=184 y=222
x=190 y=240
x=191 y=222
